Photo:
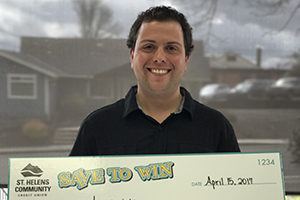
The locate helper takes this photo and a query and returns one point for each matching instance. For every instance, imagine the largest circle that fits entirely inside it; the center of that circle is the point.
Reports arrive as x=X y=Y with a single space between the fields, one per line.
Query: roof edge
x=28 y=64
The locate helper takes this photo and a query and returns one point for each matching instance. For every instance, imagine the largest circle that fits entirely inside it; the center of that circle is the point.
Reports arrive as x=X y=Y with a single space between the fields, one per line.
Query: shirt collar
x=130 y=102
x=189 y=102
x=131 y=105
x=177 y=111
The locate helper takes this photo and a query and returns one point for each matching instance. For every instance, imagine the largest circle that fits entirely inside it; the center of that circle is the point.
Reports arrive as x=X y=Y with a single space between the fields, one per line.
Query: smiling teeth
x=159 y=71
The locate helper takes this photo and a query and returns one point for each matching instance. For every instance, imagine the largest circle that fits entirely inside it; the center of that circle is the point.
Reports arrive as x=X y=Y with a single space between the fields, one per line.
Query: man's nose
x=159 y=56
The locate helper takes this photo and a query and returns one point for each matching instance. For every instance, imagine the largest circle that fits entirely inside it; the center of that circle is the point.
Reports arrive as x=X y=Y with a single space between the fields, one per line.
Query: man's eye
x=148 y=47
x=172 y=48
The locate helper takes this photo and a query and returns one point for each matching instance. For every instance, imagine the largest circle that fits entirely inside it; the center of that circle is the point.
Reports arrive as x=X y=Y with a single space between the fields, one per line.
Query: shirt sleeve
x=84 y=143
x=228 y=141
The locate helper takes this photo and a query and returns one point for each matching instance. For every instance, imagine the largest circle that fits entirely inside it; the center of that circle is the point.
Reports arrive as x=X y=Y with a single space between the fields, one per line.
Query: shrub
x=35 y=129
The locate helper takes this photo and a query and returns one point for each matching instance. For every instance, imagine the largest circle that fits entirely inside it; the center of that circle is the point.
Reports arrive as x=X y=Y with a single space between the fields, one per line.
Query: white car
x=285 y=88
x=215 y=92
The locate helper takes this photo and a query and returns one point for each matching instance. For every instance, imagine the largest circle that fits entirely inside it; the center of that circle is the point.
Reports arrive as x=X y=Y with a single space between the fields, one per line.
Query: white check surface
x=233 y=176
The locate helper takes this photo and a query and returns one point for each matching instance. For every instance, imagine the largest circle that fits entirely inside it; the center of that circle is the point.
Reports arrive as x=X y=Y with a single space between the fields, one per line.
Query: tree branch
x=95 y=19
x=293 y=13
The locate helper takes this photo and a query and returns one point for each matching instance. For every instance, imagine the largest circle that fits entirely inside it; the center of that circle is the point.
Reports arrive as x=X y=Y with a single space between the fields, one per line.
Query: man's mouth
x=159 y=71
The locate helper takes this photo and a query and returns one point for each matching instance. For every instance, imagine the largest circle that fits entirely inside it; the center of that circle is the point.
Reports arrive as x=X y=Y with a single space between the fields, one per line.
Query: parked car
x=287 y=88
x=215 y=92
x=251 y=89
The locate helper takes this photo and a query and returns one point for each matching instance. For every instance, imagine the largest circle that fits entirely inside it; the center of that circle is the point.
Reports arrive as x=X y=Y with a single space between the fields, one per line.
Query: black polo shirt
x=123 y=129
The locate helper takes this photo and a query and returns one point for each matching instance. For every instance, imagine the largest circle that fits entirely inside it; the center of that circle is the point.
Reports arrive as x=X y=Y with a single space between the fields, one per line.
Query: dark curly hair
x=162 y=13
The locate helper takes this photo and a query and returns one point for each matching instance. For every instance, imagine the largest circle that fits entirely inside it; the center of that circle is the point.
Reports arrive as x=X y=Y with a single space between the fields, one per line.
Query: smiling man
x=159 y=62
x=157 y=116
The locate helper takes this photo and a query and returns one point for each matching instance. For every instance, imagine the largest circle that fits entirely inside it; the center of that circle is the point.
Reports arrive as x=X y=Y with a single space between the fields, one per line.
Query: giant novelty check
x=229 y=176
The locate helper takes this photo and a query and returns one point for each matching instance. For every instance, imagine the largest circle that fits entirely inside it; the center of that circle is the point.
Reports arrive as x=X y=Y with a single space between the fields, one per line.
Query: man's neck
x=159 y=106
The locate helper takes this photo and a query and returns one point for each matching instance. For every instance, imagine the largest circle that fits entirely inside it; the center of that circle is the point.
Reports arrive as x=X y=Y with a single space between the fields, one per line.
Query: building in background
x=232 y=68
x=59 y=78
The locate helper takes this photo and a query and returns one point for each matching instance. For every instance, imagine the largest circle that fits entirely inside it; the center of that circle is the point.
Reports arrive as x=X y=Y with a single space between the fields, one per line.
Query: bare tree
x=275 y=7
x=95 y=19
x=205 y=11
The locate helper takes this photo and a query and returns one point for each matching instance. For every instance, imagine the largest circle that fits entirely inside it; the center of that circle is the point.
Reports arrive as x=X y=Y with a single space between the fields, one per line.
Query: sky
x=236 y=26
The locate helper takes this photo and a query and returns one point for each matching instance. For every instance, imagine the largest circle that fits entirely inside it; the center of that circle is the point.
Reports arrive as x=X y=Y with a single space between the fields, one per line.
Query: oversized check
x=226 y=176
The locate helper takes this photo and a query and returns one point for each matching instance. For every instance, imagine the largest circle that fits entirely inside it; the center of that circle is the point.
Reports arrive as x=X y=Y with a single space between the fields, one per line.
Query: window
x=21 y=86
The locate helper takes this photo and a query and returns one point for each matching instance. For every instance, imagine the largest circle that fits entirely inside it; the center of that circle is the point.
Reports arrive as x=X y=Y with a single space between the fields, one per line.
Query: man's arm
x=84 y=144
x=228 y=140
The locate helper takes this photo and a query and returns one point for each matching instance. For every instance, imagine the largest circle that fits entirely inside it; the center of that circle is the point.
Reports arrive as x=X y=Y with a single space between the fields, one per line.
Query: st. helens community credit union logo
x=31 y=171
x=32 y=184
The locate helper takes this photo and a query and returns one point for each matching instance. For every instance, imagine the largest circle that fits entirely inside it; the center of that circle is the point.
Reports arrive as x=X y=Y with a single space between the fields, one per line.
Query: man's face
x=159 y=60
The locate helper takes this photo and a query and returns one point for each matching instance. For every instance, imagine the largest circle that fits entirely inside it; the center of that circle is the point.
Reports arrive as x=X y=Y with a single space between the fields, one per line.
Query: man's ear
x=131 y=52
x=187 y=58
x=186 y=62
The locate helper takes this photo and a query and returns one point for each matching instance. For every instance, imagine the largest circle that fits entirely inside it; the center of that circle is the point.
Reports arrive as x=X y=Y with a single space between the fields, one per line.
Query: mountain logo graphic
x=31 y=171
